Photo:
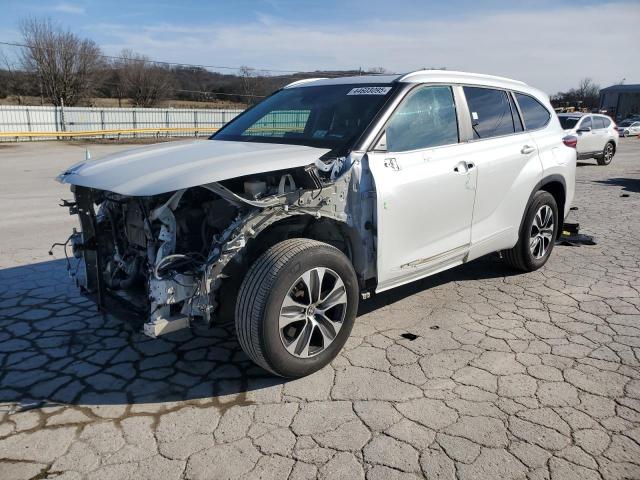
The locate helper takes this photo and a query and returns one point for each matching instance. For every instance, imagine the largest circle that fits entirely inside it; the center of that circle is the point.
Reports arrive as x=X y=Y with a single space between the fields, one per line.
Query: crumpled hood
x=167 y=167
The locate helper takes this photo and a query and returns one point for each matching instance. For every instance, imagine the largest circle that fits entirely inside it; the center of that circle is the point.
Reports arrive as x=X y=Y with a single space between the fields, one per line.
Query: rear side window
x=598 y=123
x=607 y=122
x=534 y=113
x=490 y=112
x=586 y=123
x=426 y=118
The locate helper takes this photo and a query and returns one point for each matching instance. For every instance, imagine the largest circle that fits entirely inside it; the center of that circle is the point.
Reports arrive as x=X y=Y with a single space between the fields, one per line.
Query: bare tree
x=588 y=90
x=249 y=83
x=66 y=65
x=586 y=95
x=141 y=80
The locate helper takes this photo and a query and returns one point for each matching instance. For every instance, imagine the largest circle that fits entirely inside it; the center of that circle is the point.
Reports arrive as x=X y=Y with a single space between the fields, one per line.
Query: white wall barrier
x=26 y=122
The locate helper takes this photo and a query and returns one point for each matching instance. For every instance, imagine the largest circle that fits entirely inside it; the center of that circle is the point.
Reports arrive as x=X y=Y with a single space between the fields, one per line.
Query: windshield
x=568 y=122
x=330 y=116
x=625 y=123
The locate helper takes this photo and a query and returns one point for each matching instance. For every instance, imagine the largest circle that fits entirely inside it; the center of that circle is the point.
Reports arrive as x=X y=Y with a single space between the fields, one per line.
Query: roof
x=419 y=76
x=631 y=88
x=581 y=114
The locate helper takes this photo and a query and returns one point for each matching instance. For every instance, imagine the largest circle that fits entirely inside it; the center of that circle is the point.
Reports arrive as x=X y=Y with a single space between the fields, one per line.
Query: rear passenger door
x=508 y=168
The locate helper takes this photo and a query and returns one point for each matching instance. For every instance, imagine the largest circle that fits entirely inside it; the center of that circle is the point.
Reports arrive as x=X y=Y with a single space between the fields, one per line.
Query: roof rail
x=454 y=73
x=303 y=81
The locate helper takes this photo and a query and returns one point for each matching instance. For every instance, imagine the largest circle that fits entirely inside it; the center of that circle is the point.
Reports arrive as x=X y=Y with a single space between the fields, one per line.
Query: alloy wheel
x=541 y=232
x=312 y=312
x=608 y=153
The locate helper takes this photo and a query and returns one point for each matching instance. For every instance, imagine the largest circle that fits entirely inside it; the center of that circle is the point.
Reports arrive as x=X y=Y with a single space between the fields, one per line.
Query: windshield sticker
x=369 y=91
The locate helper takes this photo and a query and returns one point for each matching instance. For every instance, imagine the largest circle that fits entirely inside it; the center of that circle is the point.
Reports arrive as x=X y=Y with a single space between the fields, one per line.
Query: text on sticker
x=369 y=91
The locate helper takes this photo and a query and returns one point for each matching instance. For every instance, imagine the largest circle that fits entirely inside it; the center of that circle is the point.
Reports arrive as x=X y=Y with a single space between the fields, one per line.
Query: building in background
x=620 y=101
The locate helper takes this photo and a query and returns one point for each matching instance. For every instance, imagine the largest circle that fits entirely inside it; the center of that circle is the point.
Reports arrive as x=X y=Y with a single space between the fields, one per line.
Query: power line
x=176 y=64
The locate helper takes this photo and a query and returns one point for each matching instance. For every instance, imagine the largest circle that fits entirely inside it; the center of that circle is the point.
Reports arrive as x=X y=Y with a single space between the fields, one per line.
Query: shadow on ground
x=56 y=348
x=627 y=184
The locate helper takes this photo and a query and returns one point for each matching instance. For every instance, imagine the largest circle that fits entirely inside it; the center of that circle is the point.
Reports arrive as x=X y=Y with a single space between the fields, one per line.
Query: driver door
x=425 y=186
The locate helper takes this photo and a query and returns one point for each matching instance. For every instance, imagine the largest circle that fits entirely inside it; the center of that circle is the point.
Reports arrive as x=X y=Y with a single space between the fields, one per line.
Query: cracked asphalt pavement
x=502 y=375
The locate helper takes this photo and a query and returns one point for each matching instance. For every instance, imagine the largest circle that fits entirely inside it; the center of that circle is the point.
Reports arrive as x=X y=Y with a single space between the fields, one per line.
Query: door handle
x=463 y=167
x=527 y=149
x=391 y=163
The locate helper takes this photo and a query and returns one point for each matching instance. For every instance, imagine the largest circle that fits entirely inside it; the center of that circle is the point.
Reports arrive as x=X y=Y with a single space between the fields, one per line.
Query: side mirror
x=584 y=129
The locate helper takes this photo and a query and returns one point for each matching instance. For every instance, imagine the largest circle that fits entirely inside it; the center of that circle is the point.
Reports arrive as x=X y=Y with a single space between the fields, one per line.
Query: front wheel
x=296 y=307
x=607 y=154
x=537 y=235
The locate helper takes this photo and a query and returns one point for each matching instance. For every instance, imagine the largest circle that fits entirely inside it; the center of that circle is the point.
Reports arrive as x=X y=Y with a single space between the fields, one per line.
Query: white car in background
x=326 y=191
x=597 y=135
x=628 y=128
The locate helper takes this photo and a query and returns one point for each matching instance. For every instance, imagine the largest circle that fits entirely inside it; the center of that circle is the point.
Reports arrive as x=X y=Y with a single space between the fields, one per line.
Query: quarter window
x=426 y=118
x=490 y=112
x=534 y=113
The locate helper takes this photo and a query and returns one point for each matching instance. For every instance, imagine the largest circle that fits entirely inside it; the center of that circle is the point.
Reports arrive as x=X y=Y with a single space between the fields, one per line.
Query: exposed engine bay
x=169 y=256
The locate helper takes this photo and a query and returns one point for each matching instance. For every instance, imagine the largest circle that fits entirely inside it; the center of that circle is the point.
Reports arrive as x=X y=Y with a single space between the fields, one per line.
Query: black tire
x=520 y=256
x=607 y=154
x=261 y=297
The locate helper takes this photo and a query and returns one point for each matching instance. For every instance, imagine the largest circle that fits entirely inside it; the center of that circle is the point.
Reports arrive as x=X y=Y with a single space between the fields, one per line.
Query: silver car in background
x=628 y=128
x=597 y=135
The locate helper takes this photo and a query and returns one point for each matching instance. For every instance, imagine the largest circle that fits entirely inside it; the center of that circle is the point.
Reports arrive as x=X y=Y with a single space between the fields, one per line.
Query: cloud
x=69 y=8
x=543 y=48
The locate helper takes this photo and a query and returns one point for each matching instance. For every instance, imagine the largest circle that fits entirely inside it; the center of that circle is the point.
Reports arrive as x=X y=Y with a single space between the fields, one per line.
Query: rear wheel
x=537 y=235
x=607 y=154
x=296 y=307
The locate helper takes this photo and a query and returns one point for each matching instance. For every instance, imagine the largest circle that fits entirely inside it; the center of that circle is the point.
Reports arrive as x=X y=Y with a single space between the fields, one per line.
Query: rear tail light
x=570 y=141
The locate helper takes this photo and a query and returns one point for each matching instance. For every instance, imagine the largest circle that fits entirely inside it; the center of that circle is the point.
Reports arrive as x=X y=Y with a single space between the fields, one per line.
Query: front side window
x=586 y=123
x=534 y=113
x=425 y=119
x=327 y=116
x=490 y=112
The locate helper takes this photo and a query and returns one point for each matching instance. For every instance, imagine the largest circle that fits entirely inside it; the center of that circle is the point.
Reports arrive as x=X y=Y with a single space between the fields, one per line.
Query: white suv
x=325 y=192
x=597 y=135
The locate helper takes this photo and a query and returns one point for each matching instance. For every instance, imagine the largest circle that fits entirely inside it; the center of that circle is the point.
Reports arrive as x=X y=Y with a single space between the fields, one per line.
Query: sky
x=550 y=44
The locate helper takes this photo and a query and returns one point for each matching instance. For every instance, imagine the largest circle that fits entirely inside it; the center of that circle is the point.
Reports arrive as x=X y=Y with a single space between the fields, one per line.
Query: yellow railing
x=95 y=133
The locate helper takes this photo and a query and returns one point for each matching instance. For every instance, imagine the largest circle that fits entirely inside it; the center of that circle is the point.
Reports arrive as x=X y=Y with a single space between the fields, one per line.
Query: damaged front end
x=166 y=255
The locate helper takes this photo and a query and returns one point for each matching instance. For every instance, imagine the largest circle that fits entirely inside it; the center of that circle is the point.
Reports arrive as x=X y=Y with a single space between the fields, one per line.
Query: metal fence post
x=28 y=122
x=195 y=121
x=135 y=123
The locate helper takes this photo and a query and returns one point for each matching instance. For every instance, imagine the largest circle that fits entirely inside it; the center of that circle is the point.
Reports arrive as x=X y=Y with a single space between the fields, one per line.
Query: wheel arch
x=557 y=186
x=324 y=229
